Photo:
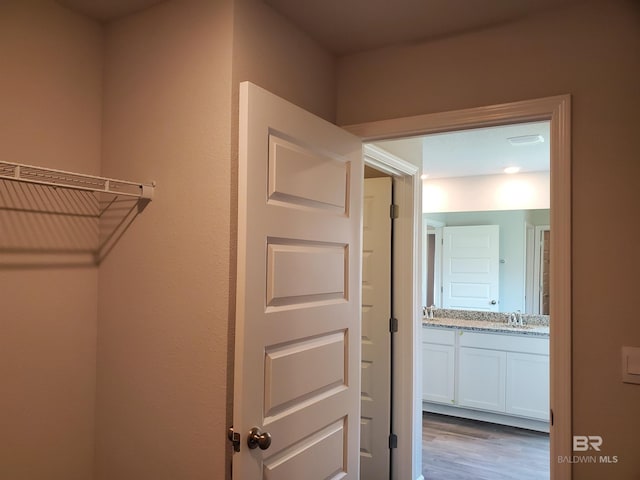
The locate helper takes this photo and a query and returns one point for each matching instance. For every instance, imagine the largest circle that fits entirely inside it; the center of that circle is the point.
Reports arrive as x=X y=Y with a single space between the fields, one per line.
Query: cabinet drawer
x=511 y=343
x=438 y=335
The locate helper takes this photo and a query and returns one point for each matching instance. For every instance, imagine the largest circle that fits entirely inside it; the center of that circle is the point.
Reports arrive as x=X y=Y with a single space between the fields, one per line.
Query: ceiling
x=348 y=26
x=480 y=151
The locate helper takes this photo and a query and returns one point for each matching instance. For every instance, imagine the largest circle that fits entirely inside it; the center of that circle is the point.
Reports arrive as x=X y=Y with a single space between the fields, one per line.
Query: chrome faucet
x=516 y=318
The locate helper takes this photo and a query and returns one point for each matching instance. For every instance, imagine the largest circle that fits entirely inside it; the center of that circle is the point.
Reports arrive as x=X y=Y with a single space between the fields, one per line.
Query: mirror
x=484 y=176
x=523 y=256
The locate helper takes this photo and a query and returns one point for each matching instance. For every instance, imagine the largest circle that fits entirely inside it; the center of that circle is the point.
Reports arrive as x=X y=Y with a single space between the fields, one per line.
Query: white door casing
x=470 y=267
x=538 y=268
x=297 y=352
x=376 y=346
x=406 y=416
x=529 y=243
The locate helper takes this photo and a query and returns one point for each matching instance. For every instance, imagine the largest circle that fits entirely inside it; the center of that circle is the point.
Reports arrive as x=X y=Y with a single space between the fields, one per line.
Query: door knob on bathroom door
x=493 y=302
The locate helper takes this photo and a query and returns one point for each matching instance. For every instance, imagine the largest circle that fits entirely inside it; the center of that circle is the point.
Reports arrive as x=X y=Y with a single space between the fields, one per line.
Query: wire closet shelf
x=60 y=178
x=55 y=212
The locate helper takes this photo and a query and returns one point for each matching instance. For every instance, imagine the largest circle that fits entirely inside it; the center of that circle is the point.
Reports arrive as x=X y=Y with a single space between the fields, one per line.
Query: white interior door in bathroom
x=470 y=267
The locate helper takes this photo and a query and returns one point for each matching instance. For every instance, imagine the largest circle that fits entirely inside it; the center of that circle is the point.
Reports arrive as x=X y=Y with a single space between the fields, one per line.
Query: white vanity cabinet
x=487 y=376
x=482 y=379
x=438 y=359
x=527 y=385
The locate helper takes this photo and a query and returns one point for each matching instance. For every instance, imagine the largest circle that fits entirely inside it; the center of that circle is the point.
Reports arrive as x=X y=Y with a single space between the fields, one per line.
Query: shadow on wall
x=56 y=227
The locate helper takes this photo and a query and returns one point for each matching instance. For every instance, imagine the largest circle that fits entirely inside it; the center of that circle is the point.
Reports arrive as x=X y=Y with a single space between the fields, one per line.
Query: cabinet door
x=481 y=380
x=438 y=373
x=528 y=385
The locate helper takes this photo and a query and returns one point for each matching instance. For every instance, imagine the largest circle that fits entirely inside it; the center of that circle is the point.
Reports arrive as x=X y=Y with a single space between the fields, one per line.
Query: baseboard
x=519 y=422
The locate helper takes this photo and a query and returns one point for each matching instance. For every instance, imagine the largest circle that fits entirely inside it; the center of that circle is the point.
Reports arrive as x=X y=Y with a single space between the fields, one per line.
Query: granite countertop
x=487 y=326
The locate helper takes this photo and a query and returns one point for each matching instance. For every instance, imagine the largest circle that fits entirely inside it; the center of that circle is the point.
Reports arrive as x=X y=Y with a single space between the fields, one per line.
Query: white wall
x=521 y=191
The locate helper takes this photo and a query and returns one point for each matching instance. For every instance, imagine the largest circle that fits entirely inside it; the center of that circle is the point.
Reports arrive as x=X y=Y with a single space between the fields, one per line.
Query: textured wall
x=164 y=288
x=274 y=54
x=50 y=92
x=591 y=52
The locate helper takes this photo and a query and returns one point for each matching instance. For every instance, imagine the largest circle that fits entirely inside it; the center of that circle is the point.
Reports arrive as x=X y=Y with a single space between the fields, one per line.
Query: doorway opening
x=557 y=111
x=476 y=274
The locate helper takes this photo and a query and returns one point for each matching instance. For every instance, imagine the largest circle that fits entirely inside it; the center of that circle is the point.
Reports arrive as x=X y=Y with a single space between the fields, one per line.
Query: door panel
x=302 y=177
x=287 y=379
x=305 y=272
x=376 y=347
x=320 y=456
x=297 y=354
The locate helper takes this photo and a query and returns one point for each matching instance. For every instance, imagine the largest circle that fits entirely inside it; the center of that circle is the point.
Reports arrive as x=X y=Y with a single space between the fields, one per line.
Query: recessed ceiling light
x=424 y=176
x=512 y=170
x=525 y=140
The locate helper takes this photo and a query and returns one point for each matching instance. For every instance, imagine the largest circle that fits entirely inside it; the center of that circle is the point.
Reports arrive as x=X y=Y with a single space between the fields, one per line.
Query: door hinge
x=394 y=211
x=393 y=441
x=393 y=325
x=551 y=416
x=234 y=438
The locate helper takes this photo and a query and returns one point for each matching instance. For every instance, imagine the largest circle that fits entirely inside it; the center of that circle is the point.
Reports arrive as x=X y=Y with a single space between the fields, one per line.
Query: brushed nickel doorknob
x=257 y=439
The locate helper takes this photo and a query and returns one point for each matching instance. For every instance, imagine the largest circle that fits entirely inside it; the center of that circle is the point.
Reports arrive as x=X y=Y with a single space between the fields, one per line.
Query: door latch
x=234 y=438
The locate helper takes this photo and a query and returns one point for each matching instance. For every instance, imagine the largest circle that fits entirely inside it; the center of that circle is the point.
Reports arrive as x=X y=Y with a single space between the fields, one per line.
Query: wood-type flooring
x=462 y=449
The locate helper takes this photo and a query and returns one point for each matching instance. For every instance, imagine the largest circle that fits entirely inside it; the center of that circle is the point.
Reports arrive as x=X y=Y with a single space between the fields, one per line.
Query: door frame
x=432 y=227
x=538 y=243
x=406 y=459
x=557 y=110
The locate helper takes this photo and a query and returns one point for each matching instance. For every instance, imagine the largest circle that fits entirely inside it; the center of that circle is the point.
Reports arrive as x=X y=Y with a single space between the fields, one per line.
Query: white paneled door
x=297 y=354
x=376 y=343
x=470 y=267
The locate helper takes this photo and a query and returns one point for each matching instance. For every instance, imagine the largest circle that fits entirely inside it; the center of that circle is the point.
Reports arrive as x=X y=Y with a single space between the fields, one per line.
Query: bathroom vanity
x=487 y=370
